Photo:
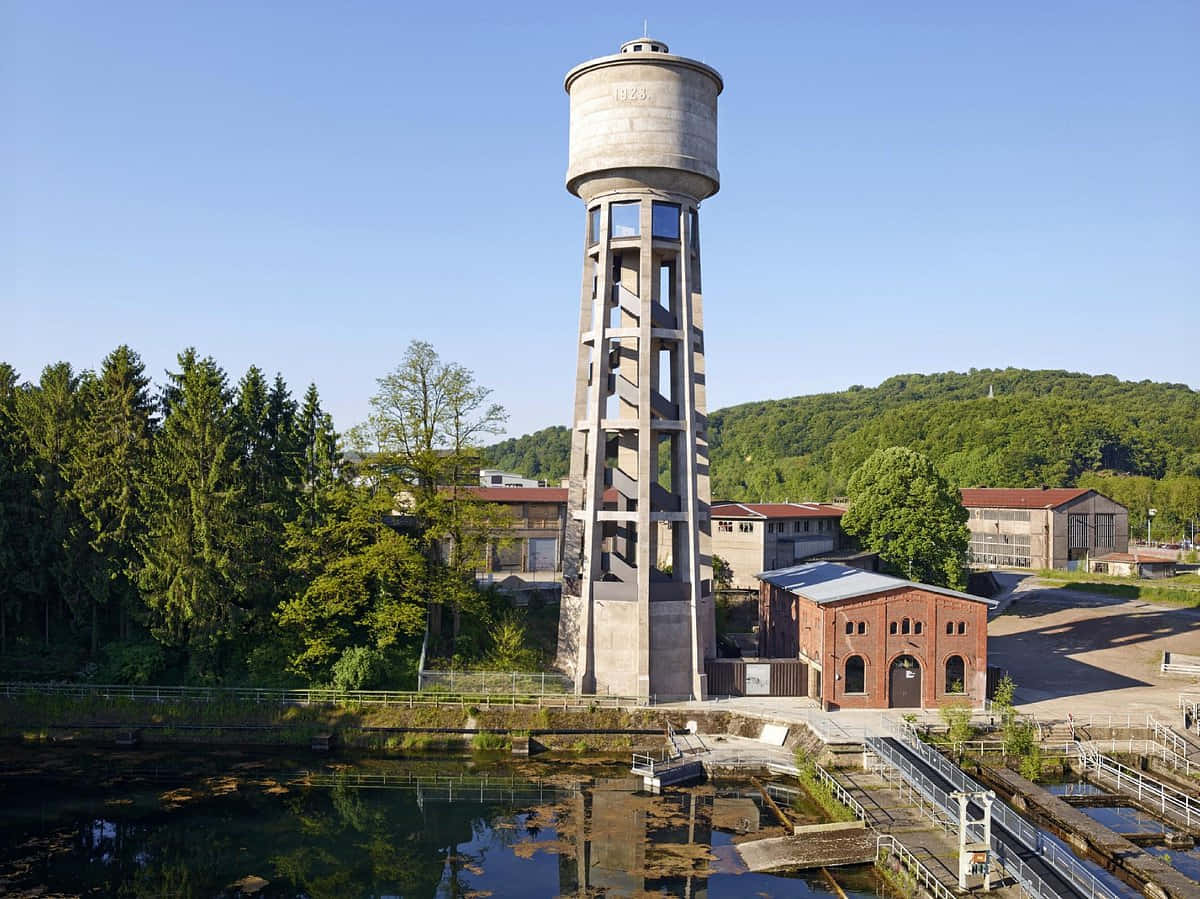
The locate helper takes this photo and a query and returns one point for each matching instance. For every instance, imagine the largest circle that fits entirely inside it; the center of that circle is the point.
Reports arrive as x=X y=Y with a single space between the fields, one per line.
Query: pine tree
x=317 y=457
x=109 y=465
x=49 y=415
x=192 y=555
x=18 y=518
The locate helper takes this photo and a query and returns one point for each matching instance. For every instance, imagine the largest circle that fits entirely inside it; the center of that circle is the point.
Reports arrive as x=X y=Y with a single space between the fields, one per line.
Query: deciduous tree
x=901 y=508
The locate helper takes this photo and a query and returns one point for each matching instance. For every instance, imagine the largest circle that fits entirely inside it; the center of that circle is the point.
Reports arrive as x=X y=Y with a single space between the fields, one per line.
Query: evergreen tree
x=18 y=518
x=317 y=456
x=901 y=508
x=109 y=465
x=192 y=554
x=50 y=417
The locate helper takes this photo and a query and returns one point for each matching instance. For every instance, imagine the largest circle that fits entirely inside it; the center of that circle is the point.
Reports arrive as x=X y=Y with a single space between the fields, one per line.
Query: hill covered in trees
x=1037 y=427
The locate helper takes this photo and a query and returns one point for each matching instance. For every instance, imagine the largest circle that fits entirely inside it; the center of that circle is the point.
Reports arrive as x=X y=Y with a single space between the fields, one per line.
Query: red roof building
x=1042 y=527
x=753 y=537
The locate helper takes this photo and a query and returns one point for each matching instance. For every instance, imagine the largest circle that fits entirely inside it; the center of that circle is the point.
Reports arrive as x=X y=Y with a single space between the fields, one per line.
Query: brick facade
x=927 y=627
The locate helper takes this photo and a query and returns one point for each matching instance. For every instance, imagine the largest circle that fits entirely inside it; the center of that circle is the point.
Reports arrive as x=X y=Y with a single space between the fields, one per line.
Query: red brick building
x=874 y=641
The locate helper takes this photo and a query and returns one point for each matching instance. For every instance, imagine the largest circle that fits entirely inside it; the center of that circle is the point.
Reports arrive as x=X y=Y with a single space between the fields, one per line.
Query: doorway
x=904 y=683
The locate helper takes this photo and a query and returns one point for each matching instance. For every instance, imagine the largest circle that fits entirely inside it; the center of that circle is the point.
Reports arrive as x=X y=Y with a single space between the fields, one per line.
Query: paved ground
x=1082 y=654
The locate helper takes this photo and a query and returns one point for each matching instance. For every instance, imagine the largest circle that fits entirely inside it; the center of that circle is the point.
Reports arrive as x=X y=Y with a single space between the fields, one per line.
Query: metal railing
x=524 y=682
x=445 y=788
x=1174 y=749
x=316 y=696
x=1061 y=860
x=887 y=846
x=840 y=793
x=1186 y=669
x=1151 y=793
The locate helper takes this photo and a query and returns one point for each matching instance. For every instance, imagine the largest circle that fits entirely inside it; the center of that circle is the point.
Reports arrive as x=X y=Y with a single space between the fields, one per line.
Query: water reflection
x=154 y=824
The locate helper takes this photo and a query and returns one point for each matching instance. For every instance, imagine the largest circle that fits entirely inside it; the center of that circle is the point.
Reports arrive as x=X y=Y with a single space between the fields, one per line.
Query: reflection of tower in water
x=629 y=843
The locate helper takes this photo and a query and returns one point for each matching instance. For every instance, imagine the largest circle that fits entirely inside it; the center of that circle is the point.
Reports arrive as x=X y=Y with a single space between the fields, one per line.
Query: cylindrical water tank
x=642 y=118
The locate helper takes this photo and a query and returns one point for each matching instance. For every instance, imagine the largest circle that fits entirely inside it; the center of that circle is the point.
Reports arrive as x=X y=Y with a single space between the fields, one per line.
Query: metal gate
x=756 y=677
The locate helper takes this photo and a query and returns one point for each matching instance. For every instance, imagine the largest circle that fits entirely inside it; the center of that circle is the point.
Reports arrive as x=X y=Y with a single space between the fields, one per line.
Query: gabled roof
x=1020 y=498
x=826 y=582
x=763 y=511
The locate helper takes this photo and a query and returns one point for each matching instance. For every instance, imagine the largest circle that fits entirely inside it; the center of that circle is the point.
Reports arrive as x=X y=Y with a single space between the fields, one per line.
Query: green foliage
x=509 y=650
x=1004 y=694
x=1041 y=427
x=901 y=508
x=1030 y=766
x=142 y=662
x=957 y=718
x=359 y=668
x=544 y=454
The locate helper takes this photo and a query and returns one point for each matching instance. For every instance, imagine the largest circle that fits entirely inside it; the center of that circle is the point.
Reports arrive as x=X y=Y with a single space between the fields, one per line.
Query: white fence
x=1153 y=794
x=887 y=847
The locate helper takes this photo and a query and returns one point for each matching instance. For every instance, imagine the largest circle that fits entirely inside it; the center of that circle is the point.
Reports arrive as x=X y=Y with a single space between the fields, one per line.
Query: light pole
x=1149 y=518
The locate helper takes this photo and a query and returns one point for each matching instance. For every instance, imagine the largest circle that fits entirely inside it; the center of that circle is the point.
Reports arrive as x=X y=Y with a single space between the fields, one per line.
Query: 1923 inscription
x=634 y=93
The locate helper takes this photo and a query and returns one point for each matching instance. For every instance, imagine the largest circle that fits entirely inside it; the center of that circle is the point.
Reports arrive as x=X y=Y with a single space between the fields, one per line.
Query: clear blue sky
x=914 y=186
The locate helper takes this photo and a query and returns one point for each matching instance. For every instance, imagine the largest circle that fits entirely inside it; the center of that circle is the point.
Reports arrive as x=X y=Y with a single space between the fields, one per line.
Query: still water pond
x=152 y=823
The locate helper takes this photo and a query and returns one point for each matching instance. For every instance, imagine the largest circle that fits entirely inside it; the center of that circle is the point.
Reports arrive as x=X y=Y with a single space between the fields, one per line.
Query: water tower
x=637 y=612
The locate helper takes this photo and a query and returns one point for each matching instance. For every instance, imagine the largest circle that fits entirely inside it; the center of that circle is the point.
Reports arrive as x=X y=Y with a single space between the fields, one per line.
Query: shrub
x=957 y=717
x=359 y=668
x=132 y=663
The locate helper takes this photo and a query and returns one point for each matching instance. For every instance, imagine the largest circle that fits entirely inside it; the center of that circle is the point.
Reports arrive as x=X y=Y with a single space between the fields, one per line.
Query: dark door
x=904 y=684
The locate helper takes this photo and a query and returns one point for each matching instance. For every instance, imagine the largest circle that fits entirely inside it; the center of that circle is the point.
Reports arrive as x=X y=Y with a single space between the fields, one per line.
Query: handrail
x=885 y=842
x=311 y=696
x=1147 y=790
x=840 y=793
x=1061 y=860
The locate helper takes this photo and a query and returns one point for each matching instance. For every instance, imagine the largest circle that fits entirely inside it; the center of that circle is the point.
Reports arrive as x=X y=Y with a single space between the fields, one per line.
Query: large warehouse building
x=1043 y=527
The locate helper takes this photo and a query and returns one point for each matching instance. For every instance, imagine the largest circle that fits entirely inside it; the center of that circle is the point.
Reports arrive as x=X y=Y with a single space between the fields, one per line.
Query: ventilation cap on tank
x=644 y=45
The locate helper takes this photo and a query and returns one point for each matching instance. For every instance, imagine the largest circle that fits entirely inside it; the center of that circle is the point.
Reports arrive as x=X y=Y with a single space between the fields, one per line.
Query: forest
x=1138 y=442
x=212 y=532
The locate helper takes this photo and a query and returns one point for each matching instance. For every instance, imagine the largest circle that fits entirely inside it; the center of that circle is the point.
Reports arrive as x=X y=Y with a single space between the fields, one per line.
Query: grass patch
x=1175 y=596
x=820 y=791
x=485 y=741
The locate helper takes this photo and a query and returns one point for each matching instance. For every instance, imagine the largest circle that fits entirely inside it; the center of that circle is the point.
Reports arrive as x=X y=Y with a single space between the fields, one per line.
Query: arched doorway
x=904 y=683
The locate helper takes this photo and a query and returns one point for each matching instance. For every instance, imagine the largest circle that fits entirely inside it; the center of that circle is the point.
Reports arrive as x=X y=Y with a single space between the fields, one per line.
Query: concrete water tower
x=637 y=612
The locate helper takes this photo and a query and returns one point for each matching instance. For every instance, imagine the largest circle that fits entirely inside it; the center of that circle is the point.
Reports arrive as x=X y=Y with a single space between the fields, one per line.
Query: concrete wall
x=743 y=551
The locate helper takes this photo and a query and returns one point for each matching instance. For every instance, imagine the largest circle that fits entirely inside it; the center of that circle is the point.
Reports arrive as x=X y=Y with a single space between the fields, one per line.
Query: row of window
x=1001 y=514
x=823 y=525
x=625 y=220
x=905 y=626
x=856 y=675
x=799 y=527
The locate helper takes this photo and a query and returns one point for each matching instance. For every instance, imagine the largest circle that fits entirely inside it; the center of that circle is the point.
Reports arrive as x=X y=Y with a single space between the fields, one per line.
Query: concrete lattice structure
x=643 y=154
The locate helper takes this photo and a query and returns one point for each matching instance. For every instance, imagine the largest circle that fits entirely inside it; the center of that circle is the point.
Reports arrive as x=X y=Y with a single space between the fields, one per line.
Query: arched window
x=849 y=627
x=856 y=675
x=949 y=627
x=862 y=627
x=956 y=676
x=892 y=627
x=905 y=626
x=917 y=627
x=962 y=627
